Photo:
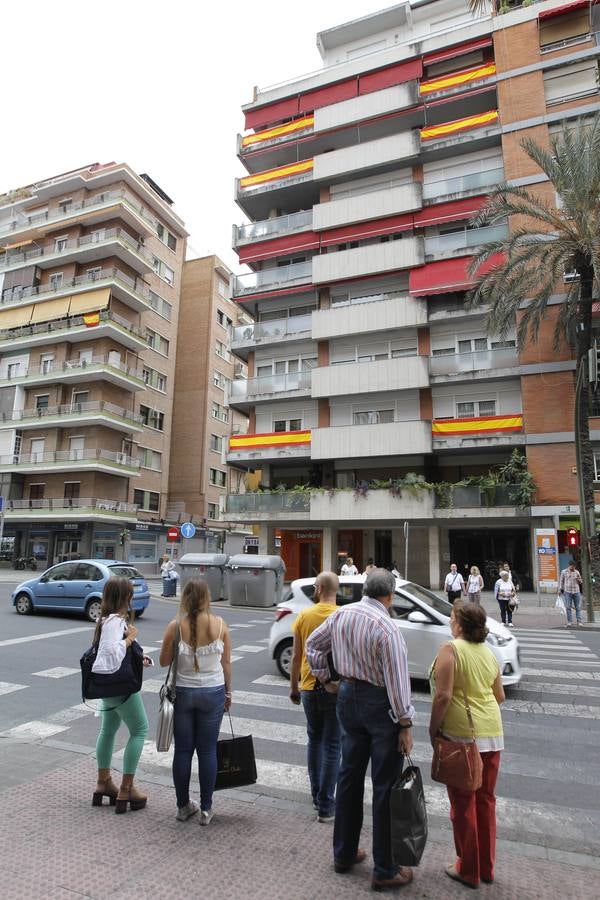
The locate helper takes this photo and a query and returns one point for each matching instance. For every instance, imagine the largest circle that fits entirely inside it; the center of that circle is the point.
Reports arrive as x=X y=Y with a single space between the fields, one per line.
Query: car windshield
x=440 y=604
x=124 y=572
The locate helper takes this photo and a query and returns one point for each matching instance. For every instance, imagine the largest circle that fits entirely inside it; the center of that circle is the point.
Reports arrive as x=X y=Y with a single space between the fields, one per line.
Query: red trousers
x=473 y=816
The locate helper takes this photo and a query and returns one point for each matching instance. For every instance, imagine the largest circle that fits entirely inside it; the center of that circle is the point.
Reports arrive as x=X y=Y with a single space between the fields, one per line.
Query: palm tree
x=547 y=242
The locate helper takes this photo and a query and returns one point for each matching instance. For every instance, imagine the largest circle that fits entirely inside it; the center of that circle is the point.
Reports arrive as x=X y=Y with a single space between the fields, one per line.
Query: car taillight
x=281 y=613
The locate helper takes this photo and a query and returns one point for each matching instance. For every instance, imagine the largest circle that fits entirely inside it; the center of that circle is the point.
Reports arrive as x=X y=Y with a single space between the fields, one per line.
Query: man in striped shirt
x=375 y=712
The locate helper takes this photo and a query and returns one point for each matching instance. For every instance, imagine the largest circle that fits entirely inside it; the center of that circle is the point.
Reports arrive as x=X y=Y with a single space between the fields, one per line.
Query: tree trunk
x=584 y=342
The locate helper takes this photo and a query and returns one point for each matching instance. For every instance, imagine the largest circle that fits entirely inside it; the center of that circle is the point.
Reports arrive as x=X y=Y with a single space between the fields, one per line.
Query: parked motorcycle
x=25 y=562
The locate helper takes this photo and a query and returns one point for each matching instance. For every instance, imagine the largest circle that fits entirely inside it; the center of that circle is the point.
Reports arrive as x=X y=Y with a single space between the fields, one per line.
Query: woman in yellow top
x=467 y=664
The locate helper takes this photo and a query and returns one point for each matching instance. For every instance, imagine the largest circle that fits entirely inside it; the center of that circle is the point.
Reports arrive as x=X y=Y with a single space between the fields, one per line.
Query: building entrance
x=488 y=549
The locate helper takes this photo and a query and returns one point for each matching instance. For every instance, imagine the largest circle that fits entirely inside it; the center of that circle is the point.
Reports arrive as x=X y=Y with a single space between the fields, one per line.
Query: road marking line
x=42 y=637
x=576 y=655
x=554 y=673
x=71 y=714
x=240 y=625
x=34 y=731
x=234 y=657
x=248 y=648
x=264 y=641
x=268 y=701
x=7 y=688
x=273 y=680
x=582 y=690
x=56 y=672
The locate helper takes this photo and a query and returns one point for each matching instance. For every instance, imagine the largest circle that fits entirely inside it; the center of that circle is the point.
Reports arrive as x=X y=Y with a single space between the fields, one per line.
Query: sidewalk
x=54 y=845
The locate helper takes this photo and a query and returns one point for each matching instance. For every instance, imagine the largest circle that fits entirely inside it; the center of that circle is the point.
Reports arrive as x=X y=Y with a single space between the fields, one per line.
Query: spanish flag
x=91 y=319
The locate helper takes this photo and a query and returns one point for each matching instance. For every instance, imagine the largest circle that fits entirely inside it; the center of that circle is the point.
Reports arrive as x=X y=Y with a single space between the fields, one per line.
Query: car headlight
x=498 y=640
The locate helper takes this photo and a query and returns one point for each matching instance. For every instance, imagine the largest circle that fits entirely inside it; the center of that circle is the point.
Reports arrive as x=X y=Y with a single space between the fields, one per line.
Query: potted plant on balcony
x=518 y=479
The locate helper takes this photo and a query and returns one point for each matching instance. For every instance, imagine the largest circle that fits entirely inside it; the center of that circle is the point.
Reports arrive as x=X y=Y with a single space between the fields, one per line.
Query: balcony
x=372 y=440
x=279 y=134
x=276 y=279
x=398 y=374
x=392 y=150
x=132 y=291
x=270 y=387
x=258 y=507
x=63 y=510
x=377 y=312
x=253 y=448
x=366 y=106
x=245 y=338
x=94 y=412
x=477 y=503
x=103 y=368
x=377 y=506
x=74 y=330
x=455 y=82
x=106 y=205
x=110 y=461
x=372 y=259
x=461 y=243
x=462 y=185
x=272 y=228
x=372 y=204
x=481 y=127
x=469 y=366
x=478 y=431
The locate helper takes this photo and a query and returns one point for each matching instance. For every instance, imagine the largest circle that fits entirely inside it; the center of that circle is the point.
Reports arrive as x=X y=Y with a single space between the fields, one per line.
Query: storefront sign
x=546 y=550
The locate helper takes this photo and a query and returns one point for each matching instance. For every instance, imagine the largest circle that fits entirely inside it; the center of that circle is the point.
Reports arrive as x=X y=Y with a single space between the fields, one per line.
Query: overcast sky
x=158 y=85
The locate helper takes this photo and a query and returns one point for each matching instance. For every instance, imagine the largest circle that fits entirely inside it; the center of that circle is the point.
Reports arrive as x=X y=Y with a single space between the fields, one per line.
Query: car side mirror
x=43 y=580
x=419 y=618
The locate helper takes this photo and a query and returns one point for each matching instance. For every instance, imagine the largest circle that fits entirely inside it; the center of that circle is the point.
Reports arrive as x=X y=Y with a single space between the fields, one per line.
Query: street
x=549 y=787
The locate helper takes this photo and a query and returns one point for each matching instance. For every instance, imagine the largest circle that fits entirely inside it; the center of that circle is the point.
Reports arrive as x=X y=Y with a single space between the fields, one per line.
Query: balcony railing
x=78 y=504
x=277 y=328
x=472 y=496
x=464 y=241
x=278 y=277
x=267 y=503
x=269 y=384
x=60 y=326
x=258 y=231
x=106 y=457
x=53 y=370
x=109 y=235
x=135 y=286
x=74 y=409
x=462 y=184
x=456 y=363
x=107 y=198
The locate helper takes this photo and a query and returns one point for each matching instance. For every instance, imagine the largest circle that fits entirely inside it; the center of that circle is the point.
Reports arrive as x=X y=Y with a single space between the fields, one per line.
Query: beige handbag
x=166 y=710
x=456 y=764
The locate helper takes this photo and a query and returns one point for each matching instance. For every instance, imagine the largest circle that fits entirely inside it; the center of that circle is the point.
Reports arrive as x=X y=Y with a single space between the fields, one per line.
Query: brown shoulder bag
x=455 y=764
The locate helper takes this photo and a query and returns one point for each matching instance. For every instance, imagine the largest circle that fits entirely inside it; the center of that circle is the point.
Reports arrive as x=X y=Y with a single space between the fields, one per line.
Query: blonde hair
x=474 y=570
x=195 y=599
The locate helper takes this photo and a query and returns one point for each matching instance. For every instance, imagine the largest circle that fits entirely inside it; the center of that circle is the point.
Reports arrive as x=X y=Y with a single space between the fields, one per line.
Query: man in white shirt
x=349 y=568
x=454 y=584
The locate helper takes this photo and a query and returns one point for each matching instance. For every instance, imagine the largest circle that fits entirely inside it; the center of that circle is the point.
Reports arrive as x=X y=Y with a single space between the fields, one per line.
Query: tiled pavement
x=55 y=846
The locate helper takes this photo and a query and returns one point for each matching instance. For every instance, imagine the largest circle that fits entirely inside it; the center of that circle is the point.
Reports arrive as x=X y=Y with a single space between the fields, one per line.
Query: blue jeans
x=368 y=733
x=573 y=601
x=323 y=752
x=198 y=714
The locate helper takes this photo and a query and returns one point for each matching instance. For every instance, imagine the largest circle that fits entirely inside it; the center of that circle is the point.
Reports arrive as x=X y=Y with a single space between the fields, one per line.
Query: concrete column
x=398 y=549
x=266 y=540
x=434 y=557
x=328 y=557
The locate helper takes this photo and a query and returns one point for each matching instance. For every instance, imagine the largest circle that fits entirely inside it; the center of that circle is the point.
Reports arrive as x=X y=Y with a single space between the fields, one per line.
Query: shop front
x=301 y=552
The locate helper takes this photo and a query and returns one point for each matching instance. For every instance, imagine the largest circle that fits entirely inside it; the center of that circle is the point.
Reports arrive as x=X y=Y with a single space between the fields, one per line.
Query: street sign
x=546 y=546
x=172 y=534
x=188 y=530
x=1 y=504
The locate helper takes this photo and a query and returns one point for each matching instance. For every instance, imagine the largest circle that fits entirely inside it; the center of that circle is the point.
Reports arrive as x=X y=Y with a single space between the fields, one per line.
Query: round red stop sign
x=173 y=534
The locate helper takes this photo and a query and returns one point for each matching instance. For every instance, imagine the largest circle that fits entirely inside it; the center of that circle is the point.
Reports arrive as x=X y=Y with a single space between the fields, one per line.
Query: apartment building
x=90 y=275
x=366 y=371
x=203 y=422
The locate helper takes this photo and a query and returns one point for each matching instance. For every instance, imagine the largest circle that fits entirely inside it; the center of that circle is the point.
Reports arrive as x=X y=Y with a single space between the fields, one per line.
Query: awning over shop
x=14 y=318
x=51 y=309
x=91 y=300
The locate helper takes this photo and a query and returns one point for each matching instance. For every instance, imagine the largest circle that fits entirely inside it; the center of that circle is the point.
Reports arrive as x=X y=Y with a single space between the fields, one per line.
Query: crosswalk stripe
x=248 y=648
x=34 y=730
x=555 y=673
x=7 y=688
x=273 y=680
x=579 y=654
x=583 y=690
x=57 y=672
x=42 y=637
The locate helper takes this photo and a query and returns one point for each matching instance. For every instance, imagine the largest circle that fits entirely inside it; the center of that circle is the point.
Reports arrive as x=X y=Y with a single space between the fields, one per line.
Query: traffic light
x=572 y=538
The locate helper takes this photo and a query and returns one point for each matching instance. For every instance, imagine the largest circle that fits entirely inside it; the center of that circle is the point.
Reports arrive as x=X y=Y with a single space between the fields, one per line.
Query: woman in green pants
x=116 y=635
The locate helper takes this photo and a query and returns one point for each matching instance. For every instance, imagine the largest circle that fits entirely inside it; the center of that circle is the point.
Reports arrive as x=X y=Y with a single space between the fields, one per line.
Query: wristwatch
x=405 y=727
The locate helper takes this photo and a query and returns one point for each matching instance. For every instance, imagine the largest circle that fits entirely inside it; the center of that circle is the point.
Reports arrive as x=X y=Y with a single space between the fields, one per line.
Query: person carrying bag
x=408 y=816
x=166 y=710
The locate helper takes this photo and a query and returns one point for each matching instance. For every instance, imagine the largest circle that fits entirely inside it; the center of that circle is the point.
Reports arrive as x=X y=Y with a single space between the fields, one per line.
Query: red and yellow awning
x=477 y=425
x=276 y=439
x=457 y=79
x=276 y=174
x=447 y=128
x=290 y=128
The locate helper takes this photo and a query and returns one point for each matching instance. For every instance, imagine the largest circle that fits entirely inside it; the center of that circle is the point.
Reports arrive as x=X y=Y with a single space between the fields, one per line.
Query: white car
x=422 y=616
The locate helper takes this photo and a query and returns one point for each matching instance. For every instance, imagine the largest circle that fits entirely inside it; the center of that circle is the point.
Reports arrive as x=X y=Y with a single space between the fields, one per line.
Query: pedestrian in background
x=465 y=667
x=320 y=705
x=202 y=694
x=375 y=713
x=370 y=566
x=349 y=568
x=114 y=635
x=454 y=585
x=504 y=591
x=167 y=567
x=570 y=587
x=474 y=585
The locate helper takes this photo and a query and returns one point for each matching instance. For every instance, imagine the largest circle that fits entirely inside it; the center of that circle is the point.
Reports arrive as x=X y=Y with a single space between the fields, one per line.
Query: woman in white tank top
x=203 y=693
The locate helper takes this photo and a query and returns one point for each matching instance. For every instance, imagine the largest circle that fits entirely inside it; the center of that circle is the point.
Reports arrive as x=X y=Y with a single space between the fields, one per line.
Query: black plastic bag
x=236 y=764
x=408 y=817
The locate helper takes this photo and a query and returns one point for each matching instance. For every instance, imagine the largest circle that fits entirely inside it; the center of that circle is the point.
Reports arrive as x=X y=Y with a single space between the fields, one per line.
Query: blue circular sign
x=188 y=530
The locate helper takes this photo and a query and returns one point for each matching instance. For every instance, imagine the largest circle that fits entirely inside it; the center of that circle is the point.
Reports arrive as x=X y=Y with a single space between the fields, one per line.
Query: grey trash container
x=254 y=580
x=209 y=567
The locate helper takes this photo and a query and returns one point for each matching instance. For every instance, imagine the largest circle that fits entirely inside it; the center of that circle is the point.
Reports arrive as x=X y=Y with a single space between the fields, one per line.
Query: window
x=71 y=490
x=65 y=206
x=47 y=363
x=64 y=572
x=79 y=398
x=157 y=342
x=168 y=275
x=565 y=29
x=87 y=572
x=571 y=82
x=160 y=306
x=97 y=236
x=220 y=412
x=163 y=271
x=470 y=409
x=221 y=381
x=37 y=449
x=224 y=320
x=36 y=491
x=147 y=500
x=42 y=401
x=56 y=280
x=223 y=288
x=373 y=417
x=221 y=350
x=166 y=237
x=216 y=443
x=76 y=447
x=154 y=379
x=153 y=418
x=12 y=370
x=217 y=477
x=150 y=459
x=287 y=425
x=213 y=511
x=95 y=273
x=60 y=244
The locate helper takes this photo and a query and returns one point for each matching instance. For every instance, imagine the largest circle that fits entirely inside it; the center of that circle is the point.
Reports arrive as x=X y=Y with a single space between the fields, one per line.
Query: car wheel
x=92 y=610
x=23 y=605
x=283 y=658
x=138 y=613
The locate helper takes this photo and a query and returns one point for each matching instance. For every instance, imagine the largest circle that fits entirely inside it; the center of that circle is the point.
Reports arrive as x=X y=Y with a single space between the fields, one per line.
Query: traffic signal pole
x=586 y=569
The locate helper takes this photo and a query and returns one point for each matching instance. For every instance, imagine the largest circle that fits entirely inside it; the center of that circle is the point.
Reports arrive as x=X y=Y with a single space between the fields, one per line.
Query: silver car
x=422 y=616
